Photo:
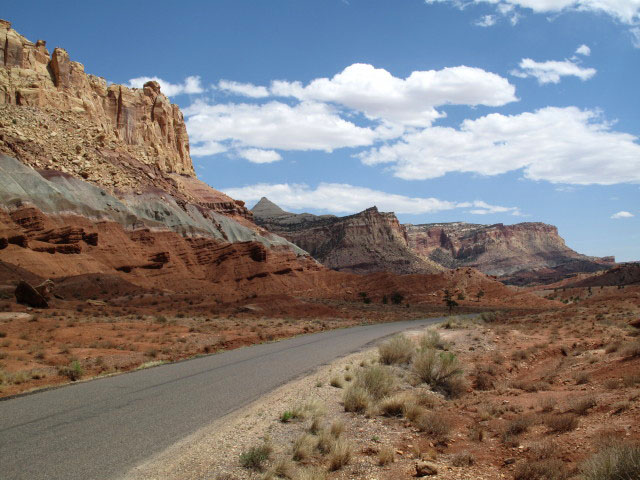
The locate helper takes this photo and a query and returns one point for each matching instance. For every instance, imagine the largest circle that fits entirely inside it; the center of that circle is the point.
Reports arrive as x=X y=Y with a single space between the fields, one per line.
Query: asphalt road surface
x=102 y=428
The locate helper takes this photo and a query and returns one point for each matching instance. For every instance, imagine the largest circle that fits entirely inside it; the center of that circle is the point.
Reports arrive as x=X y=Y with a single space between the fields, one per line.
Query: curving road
x=101 y=429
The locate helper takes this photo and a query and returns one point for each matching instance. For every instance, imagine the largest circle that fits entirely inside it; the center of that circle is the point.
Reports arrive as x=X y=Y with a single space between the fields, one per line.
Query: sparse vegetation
x=398 y=350
x=255 y=457
x=616 y=462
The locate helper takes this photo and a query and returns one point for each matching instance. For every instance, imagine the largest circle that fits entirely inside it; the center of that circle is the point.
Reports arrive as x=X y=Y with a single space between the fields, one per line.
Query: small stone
x=424 y=469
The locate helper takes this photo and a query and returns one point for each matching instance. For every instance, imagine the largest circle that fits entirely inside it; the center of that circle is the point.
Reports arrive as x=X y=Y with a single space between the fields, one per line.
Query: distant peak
x=266 y=208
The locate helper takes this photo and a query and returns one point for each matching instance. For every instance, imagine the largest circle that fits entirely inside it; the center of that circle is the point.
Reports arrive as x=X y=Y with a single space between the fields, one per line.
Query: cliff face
x=520 y=254
x=370 y=241
x=140 y=123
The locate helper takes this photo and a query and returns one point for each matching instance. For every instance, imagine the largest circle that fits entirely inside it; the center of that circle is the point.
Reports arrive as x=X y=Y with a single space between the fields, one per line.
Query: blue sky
x=440 y=110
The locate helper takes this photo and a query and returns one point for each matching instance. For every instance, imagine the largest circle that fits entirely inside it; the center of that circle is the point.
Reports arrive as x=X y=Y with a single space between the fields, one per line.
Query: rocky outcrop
x=369 y=241
x=140 y=123
x=523 y=253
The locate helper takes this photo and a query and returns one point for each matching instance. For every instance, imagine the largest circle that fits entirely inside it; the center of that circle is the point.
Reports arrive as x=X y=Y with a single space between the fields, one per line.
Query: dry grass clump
x=395 y=405
x=397 y=350
x=340 y=455
x=463 y=459
x=616 y=462
x=356 y=399
x=620 y=407
x=304 y=447
x=581 y=406
x=378 y=381
x=631 y=350
x=547 y=404
x=434 y=424
x=386 y=455
x=282 y=468
x=440 y=370
x=337 y=428
x=514 y=428
x=432 y=339
x=549 y=469
x=564 y=422
x=582 y=378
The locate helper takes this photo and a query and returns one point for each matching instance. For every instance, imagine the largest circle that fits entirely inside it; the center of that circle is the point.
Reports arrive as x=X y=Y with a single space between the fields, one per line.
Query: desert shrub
x=73 y=371
x=483 y=381
x=386 y=456
x=463 y=459
x=582 y=378
x=412 y=411
x=439 y=369
x=518 y=425
x=549 y=469
x=394 y=406
x=543 y=450
x=396 y=298
x=378 y=381
x=255 y=457
x=432 y=339
x=611 y=383
x=564 y=422
x=547 y=404
x=397 y=350
x=616 y=462
x=631 y=350
x=613 y=346
x=581 y=406
x=336 y=382
x=476 y=433
x=340 y=455
x=356 y=399
x=434 y=424
x=304 y=447
x=620 y=407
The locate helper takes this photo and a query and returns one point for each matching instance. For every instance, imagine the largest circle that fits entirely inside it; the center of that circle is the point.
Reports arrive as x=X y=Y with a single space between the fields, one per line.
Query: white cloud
x=486 y=21
x=622 y=214
x=410 y=101
x=635 y=36
x=255 y=155
x=626 y=11
x=206 y=148
x=559 y=145
x=243 y=89
x=583 y=50
x=191 y=85
x=343 y=198
x=551 y=71
x=274 y=125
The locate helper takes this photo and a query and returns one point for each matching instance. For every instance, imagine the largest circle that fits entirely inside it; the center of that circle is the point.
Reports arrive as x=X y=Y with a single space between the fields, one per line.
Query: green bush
x=255 y=457
x=440 y=370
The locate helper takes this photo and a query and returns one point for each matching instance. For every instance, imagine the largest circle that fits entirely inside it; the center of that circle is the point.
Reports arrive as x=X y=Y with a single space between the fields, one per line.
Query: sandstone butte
x=97 y=185
x=373 y=241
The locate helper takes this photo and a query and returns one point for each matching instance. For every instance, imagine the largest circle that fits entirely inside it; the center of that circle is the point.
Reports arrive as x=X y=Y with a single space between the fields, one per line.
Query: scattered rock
x=27 y=295
x=424 y=469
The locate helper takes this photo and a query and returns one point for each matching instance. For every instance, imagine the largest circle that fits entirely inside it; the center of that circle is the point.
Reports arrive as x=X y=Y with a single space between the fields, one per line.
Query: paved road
x=101 y=429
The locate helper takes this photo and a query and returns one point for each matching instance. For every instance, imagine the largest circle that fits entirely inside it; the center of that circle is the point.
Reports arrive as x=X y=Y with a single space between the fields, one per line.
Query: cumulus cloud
x=191 y=85
x=255 y=155
x=486 y=21
x=243 y=89
x=583 y=50
x=204 y=149
x=625 y=11
x=274 y=125
x=407 y=101
x=622 y=214
x=551 y=71
x=559 y=145
x=343 y=198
